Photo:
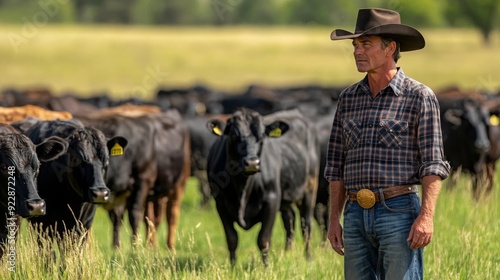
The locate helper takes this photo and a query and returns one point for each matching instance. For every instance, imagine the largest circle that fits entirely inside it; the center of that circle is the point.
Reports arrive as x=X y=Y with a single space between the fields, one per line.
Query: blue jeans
x=375 y=240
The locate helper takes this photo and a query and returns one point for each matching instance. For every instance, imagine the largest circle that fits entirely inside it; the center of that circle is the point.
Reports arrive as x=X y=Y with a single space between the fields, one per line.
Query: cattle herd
x=256 y=153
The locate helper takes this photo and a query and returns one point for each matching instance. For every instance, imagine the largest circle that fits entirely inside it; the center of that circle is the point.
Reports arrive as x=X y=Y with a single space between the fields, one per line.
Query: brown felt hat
x=385 y=23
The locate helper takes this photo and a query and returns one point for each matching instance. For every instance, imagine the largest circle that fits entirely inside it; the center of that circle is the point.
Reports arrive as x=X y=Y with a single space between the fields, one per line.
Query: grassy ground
x=136 y=60
x=465 y=246
x=126 y=60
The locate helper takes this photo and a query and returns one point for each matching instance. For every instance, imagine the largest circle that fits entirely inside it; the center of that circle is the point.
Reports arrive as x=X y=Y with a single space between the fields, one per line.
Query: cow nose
x=252 y=165
x=100 y=195
x=483 y=146
x=36 y=207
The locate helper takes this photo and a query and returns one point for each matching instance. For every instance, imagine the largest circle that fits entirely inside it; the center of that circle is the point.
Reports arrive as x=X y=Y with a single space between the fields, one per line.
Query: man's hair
x=385 y=42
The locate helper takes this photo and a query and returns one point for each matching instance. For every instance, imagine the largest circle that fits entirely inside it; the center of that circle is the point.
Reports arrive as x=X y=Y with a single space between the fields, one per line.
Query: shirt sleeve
x=430 y=139
x=335 y=150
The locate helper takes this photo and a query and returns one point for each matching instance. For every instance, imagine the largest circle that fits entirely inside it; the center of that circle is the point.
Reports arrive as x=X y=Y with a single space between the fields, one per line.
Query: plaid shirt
x=392 y=139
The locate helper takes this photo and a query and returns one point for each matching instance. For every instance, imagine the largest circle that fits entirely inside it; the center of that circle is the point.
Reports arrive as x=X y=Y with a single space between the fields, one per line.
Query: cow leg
x=153 y=217
x=321 y=216
x=264 y=238
x=229 y=230
x=204 y=187
x=306 y=212
x=452 y=181
x=490 y=170
x=478 y=185
x=288 y=217
x=116 y=216
x=136 y=202
x=173 y=214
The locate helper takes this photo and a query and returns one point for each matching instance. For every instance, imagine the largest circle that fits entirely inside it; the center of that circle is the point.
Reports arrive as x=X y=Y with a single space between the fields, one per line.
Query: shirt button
x=368 y=142
x=370 y=125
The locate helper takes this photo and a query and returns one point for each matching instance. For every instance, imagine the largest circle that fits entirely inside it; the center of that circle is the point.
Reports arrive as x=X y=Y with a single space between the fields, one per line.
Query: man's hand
x=335 y=237
x=421 y=232
x=422 y=229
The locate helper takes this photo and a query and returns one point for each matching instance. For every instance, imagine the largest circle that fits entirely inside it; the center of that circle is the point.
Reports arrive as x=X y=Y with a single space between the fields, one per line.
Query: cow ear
x=494 y=120
x=216 y=127
x=277 y=129
x=116 y=145
x=51 y=148
x=454 y=116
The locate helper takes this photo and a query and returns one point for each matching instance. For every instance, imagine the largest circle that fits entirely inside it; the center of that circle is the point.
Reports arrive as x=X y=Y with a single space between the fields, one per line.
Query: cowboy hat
x=385 y=23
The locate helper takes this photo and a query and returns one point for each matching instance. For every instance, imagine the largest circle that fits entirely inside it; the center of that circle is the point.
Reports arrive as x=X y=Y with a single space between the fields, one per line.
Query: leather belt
x=367 y=198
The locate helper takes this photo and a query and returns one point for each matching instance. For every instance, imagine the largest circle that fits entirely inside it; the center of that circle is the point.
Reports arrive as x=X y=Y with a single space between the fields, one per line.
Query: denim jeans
x=375 y=240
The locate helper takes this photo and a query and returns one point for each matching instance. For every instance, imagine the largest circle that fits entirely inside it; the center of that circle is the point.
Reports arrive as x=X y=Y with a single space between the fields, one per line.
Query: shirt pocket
x=352 y=133
x=391 y=132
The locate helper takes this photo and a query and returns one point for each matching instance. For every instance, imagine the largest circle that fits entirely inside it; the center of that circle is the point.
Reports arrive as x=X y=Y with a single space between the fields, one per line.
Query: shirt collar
x=396 y=83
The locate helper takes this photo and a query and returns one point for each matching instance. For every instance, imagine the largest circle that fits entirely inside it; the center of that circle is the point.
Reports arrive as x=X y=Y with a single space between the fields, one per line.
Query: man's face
x=369 y=54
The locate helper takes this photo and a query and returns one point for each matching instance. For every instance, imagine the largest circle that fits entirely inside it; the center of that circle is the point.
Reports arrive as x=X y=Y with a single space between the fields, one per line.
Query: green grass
x=125 y=60
x=121 y=59
x=465 y=246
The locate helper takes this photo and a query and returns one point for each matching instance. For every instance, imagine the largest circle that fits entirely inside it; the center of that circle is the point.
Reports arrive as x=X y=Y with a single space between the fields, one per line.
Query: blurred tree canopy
x=480 y=14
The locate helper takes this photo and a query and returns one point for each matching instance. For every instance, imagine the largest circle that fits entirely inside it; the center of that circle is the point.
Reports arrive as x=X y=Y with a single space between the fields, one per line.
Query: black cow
x=131 y=177
x=172 y=146
x=154 y=169
x=19 y=165
x=493 y=106
x=72 y=180
x=465 y=124
x=262 y=165
x=323 y=124
x=201 y=142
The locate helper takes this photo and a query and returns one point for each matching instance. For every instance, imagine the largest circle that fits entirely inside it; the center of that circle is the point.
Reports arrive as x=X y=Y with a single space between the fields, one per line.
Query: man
x=385 y=140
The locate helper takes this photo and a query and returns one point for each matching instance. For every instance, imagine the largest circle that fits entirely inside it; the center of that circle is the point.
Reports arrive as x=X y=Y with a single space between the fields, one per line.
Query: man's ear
x=390 y=49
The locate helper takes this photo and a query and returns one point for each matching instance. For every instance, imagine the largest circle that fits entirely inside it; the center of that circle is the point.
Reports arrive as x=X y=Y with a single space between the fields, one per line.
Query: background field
x=135 y=61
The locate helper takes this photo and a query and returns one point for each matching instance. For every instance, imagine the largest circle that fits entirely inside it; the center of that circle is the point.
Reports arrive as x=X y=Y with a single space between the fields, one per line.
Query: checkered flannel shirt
x=392 y=139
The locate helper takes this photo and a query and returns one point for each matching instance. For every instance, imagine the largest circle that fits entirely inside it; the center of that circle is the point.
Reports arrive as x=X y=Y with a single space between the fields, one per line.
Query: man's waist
x=367 y=198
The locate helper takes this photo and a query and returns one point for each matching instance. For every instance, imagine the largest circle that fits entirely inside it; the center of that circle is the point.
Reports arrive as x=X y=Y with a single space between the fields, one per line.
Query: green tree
x=318 y=12
x=481 y=14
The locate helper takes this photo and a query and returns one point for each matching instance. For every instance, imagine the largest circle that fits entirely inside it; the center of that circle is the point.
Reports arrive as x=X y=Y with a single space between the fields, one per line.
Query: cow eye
x=3 y=166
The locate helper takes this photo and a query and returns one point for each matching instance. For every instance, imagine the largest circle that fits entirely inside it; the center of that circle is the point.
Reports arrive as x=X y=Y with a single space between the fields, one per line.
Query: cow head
x=19 y=166
x=82 y=168
x=245 y=131
x=469 y=121
x=90 y=158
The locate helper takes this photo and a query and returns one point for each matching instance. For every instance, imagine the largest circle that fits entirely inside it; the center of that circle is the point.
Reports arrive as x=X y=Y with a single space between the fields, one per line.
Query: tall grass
x=465 y=246
x=119 y=60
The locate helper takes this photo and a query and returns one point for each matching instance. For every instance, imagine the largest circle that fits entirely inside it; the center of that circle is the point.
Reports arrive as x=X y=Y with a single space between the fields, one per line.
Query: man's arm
x=337 y=201
x=423 y=227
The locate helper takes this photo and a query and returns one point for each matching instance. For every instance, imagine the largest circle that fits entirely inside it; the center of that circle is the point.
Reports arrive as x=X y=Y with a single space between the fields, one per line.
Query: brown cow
x=13 y=114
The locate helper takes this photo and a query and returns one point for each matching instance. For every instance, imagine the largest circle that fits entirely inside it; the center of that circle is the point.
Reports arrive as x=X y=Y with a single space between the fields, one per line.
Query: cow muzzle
x=99 y=195
x=35 y=207
x=251 y=165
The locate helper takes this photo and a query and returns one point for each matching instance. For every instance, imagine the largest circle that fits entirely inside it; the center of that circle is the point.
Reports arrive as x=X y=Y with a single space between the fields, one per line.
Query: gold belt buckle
x=365 y=198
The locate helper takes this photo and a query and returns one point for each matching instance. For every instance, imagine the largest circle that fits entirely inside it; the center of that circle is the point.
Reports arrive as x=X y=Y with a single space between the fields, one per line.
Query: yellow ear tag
x=275 y=132
x=217 y=130
x=117 y=150
x=494 y=120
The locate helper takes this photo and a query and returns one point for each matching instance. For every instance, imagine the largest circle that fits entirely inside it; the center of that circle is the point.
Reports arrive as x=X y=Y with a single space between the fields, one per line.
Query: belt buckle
x=365 y=198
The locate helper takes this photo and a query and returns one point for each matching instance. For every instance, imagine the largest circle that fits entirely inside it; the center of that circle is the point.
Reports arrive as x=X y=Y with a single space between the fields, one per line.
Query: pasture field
x=127 y=61
x=465 y=246
x=134 y=61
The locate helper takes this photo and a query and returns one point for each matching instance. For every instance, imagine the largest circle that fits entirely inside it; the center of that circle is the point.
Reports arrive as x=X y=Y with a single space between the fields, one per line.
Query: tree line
x=480 y=14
